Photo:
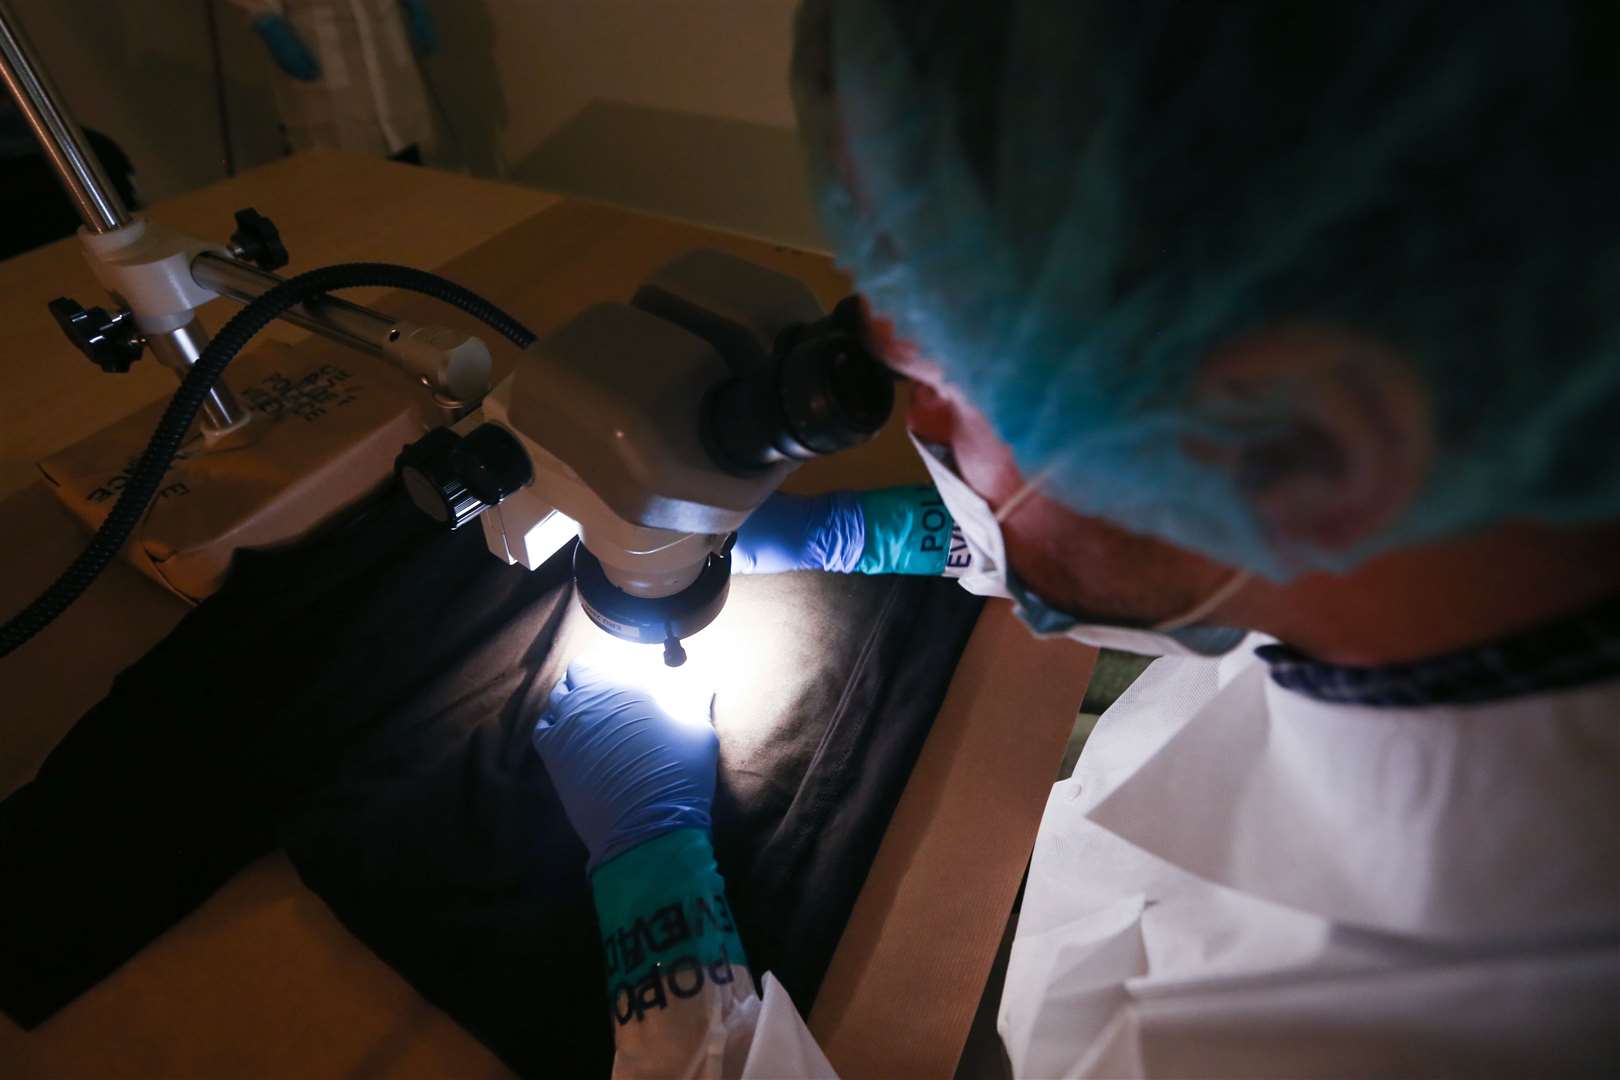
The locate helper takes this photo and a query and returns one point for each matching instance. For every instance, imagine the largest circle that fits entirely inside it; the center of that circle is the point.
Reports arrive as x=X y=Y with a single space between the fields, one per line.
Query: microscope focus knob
x=112 y=342
x=429 y=476
x=452 y=479
x=492 y=463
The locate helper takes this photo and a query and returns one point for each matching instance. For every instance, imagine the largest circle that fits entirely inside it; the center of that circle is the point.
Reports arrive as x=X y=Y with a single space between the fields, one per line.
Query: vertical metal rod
x=179 y=349
x=62 y=140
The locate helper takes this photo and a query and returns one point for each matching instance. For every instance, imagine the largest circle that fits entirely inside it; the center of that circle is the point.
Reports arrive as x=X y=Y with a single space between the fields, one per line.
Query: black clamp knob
x=112 y=342
x=257 y=240
x=454 y=479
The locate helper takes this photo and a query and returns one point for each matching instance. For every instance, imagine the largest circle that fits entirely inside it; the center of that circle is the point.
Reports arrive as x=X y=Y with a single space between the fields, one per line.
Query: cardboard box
x=326 y=425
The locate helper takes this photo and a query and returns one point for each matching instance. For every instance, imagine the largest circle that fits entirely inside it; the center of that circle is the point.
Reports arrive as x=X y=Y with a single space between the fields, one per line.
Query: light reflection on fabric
x=714 y=657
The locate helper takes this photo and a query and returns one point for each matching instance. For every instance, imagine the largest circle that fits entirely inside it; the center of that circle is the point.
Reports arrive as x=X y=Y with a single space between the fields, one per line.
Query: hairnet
x=1069 y=204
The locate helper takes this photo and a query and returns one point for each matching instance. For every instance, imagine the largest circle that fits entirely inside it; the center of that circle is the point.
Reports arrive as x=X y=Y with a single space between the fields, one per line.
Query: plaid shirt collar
x=1561 y=655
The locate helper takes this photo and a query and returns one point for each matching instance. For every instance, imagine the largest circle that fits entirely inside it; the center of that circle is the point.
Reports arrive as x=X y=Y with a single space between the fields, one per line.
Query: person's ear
x=1341 y=439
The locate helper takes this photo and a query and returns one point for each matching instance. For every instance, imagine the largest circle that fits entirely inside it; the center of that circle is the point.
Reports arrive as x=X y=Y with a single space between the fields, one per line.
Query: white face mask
x=979 y=560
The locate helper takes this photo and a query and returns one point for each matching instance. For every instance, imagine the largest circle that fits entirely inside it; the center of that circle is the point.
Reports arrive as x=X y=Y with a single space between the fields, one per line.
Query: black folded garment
x=365 y=701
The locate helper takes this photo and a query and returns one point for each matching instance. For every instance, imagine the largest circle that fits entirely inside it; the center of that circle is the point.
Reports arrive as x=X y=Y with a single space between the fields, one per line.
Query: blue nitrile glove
x=626 y=771
x=797 y=532
x=636 y=785
x=286 y=47
x=419 y=24
x=901 y=530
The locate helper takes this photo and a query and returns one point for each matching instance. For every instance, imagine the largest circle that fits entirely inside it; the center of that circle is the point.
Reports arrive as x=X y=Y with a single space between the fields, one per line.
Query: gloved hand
x=901 y=530
x=286 y=47
x=627 y=772
x=797 y=532
x=419 y=24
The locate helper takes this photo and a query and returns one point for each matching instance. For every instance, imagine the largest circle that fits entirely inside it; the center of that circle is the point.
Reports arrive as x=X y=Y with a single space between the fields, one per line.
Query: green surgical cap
x=1069 y=204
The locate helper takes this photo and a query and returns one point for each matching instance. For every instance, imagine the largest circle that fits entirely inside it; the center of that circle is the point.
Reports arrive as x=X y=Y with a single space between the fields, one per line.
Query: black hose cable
x=177 y=418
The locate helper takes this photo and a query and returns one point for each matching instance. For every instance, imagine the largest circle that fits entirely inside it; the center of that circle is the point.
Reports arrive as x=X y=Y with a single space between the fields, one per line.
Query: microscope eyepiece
x=821 y=392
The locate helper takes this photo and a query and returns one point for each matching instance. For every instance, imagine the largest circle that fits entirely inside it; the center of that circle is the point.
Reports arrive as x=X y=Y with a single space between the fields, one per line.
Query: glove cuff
x=666 y=925
x=644 y=824
x=908 y=531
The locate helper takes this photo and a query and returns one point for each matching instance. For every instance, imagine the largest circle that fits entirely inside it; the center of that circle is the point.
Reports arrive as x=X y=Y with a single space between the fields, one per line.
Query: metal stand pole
x=343 y=322
x=87 y=185
x=183 y=346
x=61 y=139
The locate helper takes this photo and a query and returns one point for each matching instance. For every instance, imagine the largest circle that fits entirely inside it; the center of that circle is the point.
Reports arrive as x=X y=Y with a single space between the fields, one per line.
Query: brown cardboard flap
x=325 y=429
x=913 y=962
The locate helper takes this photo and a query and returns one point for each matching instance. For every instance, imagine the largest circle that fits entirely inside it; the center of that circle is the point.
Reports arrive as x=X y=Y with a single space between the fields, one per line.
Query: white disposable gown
x=721 y=1032
x=1239 y=880
x=369 y=98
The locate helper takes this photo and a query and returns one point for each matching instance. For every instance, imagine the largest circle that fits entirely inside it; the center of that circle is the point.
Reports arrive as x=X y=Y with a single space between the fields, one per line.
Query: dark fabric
x=366 y=702
x=1574 y=651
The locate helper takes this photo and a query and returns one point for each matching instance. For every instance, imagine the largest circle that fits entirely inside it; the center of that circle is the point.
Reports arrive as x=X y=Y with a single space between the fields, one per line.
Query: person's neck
x=1438 y=598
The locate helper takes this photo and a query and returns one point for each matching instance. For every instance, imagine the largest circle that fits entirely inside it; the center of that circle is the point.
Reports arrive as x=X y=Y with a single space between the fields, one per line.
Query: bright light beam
x=733 y=656
x=686 y=692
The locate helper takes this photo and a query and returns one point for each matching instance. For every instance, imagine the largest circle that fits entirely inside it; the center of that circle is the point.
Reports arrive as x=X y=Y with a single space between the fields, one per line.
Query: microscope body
x=651 y=430
x=608 y=408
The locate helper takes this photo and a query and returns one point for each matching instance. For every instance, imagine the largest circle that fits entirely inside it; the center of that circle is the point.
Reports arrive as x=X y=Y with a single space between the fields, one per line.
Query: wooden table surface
x=262 y=980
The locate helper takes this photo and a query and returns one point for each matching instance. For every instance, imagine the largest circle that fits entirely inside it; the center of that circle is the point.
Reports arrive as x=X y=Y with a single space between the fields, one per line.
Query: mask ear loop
x=1209 y=605
x=1195 y=614
x=1022 y=495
